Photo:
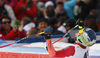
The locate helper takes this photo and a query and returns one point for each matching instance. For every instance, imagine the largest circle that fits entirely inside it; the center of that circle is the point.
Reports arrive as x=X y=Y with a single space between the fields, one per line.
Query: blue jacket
x=69 y=7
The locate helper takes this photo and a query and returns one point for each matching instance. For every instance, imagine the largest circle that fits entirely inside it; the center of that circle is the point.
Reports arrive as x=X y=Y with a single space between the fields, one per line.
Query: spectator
x=31 y=32
x=6 y=10
x=40 y=5
x=54 y=24
x=61 y=20
x=25 y=8
x=84 y=7
x=94 y=12
x=28 y=24
x=91 y=3
x=81 y=10
x=49 y=8
x=49 y=3
x=68 y=24
x=50 y=16
x=16 y=22
x=60 y=10
x=7 y=32
x=40 y=13
x=69 y=7
x=90 y=22
x=12 y=3
x=42 y=23
x=49 y=13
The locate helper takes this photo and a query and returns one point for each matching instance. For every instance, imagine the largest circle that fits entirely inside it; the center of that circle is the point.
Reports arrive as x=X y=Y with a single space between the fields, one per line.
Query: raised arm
x=67 y=52
x=50 y=48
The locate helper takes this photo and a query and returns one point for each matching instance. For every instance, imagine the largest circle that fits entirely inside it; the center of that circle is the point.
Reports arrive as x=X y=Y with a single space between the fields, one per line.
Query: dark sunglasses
x=6 y=22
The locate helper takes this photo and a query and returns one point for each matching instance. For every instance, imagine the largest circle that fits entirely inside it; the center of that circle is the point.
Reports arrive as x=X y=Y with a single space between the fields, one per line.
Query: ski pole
x=65 y=34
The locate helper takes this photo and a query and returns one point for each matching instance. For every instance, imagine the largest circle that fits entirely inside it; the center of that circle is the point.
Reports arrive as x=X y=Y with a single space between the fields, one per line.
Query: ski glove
x=48 y=32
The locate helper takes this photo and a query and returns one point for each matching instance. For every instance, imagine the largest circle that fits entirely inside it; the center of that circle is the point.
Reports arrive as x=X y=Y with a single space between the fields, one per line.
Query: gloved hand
x=80 y=22
x=48 y=32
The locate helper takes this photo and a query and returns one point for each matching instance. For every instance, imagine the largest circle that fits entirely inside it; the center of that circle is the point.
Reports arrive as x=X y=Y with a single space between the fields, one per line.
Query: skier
x=84 y=39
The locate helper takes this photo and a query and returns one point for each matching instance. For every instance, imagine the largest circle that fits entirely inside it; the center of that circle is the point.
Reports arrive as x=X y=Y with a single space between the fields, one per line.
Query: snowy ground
x=39 y=48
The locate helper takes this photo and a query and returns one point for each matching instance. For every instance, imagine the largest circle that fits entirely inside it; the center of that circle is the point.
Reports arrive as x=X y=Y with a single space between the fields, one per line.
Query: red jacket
x=29 y=11
x=12 y=3
x=11 y=34
x=66 y=52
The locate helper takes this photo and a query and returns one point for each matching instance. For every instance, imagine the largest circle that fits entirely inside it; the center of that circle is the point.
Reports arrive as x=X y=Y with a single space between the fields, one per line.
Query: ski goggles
x=84 y=39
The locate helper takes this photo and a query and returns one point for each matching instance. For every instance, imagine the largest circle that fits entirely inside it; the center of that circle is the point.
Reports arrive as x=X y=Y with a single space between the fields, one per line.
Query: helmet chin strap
x=81 y=31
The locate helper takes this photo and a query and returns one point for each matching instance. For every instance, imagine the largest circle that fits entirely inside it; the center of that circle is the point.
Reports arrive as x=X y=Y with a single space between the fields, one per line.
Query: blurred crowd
x=21 y=18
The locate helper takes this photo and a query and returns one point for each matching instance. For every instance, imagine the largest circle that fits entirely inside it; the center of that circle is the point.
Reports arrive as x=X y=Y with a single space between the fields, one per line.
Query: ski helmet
x=87 y=37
